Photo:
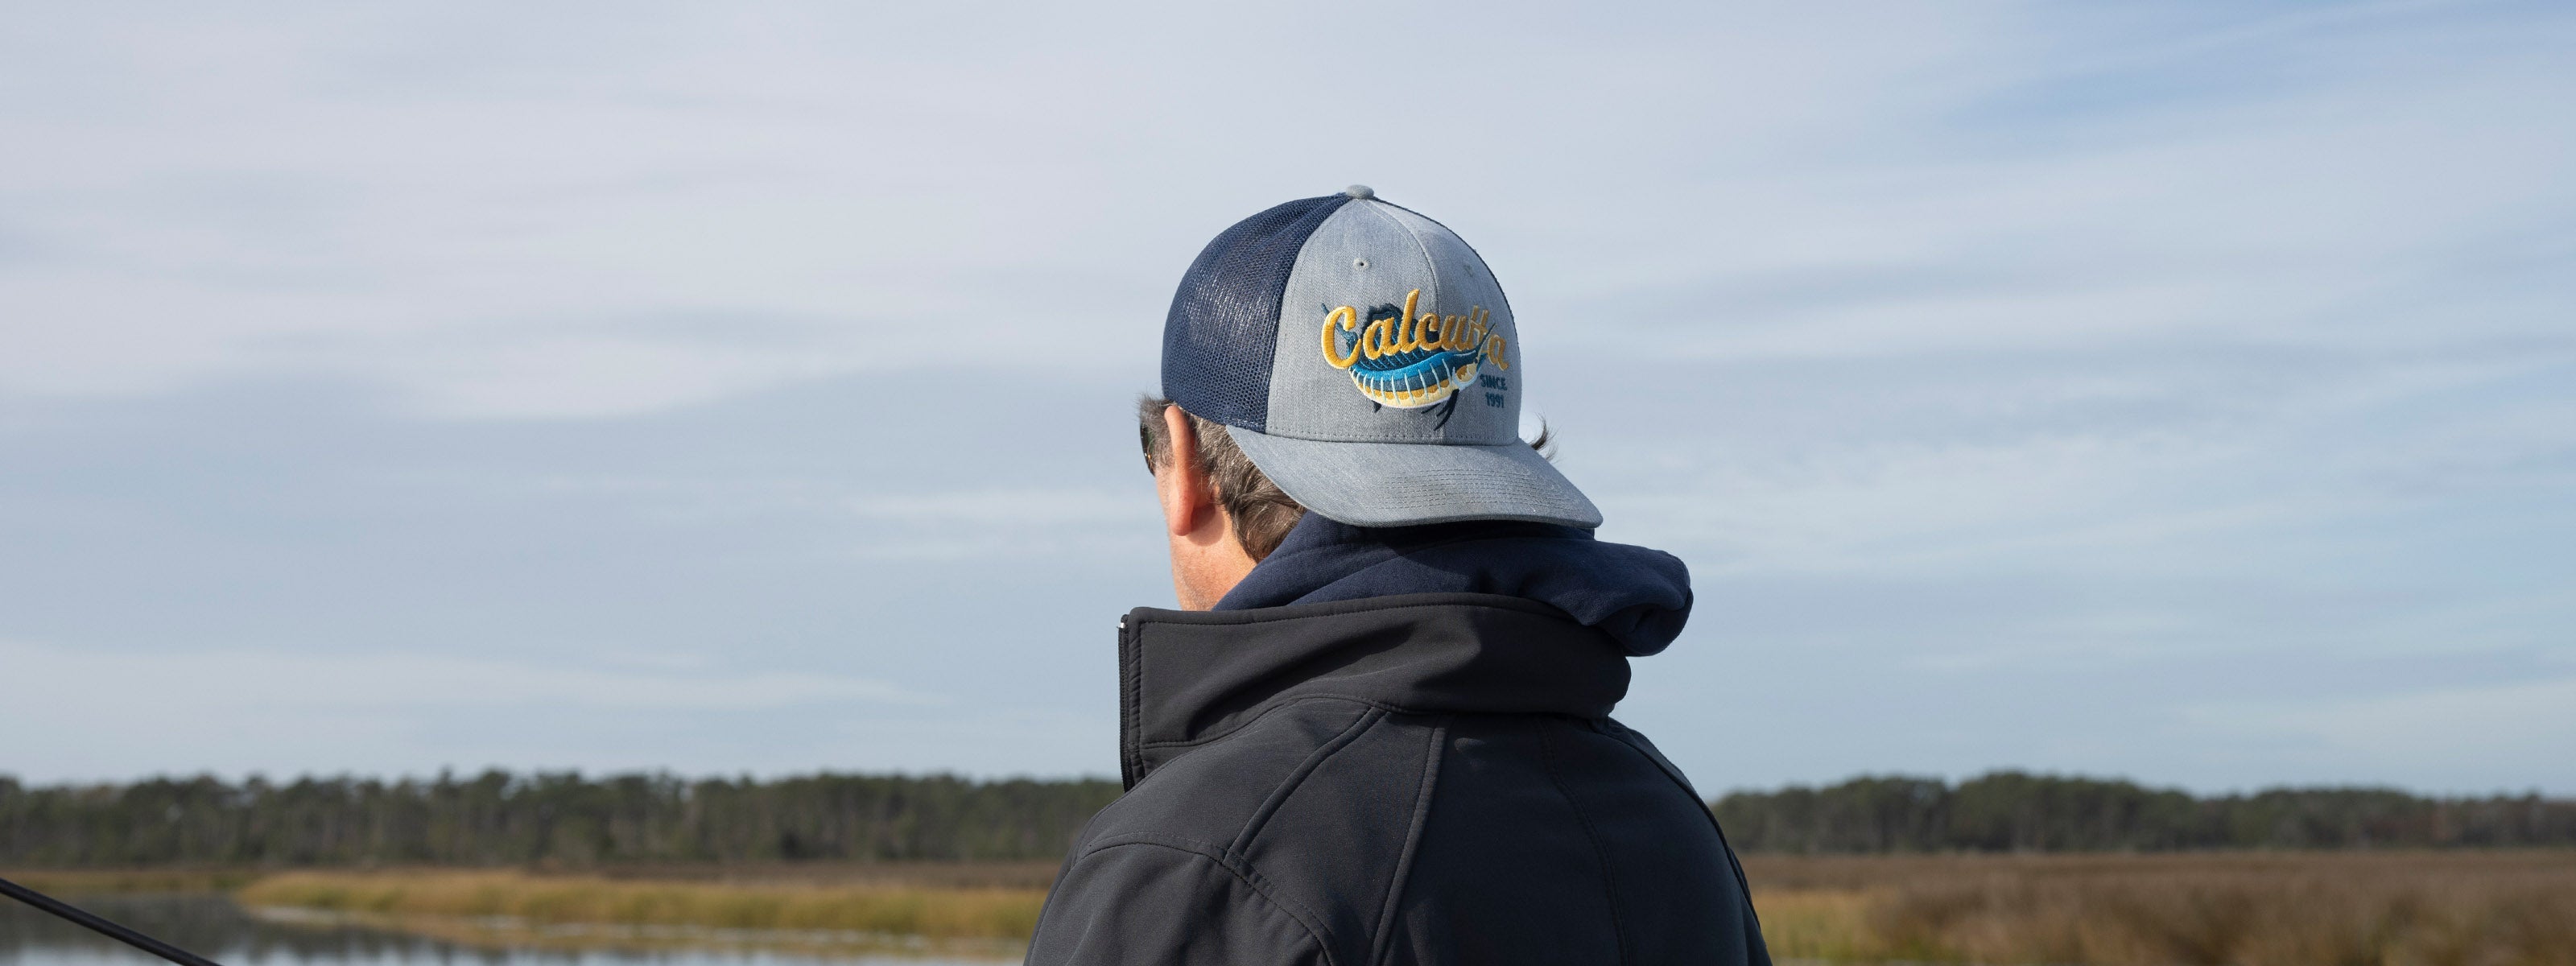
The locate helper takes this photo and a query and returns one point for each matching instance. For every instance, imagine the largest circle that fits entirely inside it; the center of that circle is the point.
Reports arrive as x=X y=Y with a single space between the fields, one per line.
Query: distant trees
x=568 y=820
x=498 y=818
x=2009 y=811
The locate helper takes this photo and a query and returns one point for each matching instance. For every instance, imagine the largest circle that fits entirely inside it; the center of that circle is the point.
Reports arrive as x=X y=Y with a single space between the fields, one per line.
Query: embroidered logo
x=1409 y=361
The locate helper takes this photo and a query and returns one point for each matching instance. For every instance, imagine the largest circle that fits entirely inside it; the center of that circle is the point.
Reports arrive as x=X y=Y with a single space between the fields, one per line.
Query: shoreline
x=2100 y=909
x=502 y=933
x=890 y=907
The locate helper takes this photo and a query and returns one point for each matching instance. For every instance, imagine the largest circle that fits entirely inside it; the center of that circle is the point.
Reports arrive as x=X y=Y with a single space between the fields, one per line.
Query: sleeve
x=1165 y=904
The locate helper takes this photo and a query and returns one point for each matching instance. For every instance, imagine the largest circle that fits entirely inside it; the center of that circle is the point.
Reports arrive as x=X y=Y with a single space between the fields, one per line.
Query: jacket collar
x=1641 y=597
x=1188 y=678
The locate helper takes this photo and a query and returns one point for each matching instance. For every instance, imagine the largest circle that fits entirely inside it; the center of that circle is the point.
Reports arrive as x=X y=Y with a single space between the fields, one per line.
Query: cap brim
x=1406 y=484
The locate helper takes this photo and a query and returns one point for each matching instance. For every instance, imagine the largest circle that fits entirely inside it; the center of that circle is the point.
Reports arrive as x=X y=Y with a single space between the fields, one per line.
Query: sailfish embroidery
x=1408 y=361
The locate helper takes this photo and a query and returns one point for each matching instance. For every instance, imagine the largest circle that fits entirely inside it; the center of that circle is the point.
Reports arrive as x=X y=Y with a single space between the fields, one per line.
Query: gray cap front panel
x=1467 y=283
x=1368 y=255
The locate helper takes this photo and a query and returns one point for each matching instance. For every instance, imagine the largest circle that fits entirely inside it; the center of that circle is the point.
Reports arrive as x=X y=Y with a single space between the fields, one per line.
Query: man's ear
x=1187 y=493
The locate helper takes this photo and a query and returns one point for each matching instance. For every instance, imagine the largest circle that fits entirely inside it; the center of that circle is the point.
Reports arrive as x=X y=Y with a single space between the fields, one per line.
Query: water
x=213 y=926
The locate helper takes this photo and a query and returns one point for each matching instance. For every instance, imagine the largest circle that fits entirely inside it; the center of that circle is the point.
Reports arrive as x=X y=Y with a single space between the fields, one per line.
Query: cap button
x=1360 y=191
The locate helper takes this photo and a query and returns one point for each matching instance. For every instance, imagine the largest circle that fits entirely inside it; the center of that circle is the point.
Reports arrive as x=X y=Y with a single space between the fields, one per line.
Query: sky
x=2177 y=391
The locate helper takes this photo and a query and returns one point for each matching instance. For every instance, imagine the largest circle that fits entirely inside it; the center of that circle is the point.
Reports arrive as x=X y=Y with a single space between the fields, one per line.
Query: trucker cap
x=1363 y=356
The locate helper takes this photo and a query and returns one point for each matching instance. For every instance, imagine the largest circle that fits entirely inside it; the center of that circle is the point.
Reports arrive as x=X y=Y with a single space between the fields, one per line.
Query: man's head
x=1220 y=513
x=1347 y=357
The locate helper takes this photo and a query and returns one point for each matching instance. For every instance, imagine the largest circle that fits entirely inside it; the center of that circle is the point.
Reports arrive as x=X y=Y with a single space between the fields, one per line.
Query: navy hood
x=1639 y=597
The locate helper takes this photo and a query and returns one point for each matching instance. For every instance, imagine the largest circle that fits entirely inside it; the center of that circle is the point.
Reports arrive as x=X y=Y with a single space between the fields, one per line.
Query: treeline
x=2018 y=812
x=566 y=820
x=563 y=820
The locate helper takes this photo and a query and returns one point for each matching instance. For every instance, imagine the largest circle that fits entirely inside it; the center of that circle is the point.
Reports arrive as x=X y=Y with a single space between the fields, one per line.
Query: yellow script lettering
x=1405 y=340
x=1346 y=318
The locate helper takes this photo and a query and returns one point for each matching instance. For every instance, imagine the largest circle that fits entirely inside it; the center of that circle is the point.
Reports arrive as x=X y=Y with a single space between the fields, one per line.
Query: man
x=1378 y=731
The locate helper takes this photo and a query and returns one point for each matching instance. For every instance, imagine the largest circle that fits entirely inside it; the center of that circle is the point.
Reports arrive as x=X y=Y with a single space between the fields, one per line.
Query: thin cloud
x=376 y=379
x=271 y=680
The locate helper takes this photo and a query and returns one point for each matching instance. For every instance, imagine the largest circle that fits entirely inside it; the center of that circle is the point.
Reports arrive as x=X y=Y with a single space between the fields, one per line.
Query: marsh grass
x=2451 y=908
x=92 y=882
x=541 y=901
x=2240 y=909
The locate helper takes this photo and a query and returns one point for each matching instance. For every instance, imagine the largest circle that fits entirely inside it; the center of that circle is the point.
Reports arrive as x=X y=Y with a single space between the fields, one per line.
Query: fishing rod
x=101 y=926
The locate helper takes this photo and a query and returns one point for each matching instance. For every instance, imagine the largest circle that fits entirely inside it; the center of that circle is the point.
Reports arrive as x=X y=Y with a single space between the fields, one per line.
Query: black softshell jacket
x=1427 y=778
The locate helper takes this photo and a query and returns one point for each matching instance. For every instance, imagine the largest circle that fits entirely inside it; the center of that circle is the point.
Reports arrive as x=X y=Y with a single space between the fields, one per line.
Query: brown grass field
x=888 y=908
x=95 y=882
x=2453 y=908
x=2244 y=909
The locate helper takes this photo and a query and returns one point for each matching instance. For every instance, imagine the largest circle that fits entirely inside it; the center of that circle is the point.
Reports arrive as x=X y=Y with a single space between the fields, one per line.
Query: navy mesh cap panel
x=1224 y=326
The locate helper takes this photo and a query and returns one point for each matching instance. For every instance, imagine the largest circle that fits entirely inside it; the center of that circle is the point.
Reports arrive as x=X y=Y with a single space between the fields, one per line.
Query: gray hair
x=1262 y=512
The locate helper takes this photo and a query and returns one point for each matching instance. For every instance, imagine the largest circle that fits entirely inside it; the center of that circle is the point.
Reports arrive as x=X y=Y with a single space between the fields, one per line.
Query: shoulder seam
x=1233 y=865
x=1296 y=777
x=1630 y=739
x=1384 y=934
